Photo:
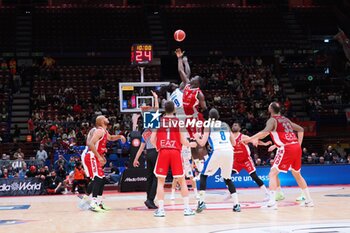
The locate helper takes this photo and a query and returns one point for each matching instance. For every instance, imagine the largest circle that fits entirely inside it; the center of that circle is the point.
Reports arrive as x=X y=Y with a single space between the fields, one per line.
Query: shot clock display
x=141 y=54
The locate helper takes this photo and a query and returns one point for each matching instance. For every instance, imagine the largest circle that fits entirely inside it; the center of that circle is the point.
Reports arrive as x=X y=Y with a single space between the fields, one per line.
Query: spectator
x=79 y=178
x=61 y=161
x=22 y=173
x=114 y=176
x=18 y=154
x=321 y=160
x=32 y=172
x=17 y=133
x=61 y=172
x=31 y=127
x=5 y=174
x=54 y=184
x=309 y=160
x=41 y=155
x=258 y=162
x=18 y=164
x=328 y=154
x=305 y=154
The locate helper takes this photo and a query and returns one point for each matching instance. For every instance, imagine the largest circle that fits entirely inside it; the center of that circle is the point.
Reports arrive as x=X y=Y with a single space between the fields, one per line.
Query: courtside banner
x=134 y=180
x=313 y=174
x=21 y=187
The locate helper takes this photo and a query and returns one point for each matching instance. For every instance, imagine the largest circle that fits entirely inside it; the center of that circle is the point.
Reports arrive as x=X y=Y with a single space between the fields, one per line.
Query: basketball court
x=61 y=213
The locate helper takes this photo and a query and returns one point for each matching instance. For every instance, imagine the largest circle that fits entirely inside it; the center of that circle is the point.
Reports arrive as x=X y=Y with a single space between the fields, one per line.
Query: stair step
x=25 y=89
x=154 y=27
x=20 y=125
x=19 y=119
x=23 y=131
x=289 y=91
x=159 y=43
x=301 y=114
x=295 y=96
x=298 y=108
x=21 y=101
x=20 y=114
x=298 y=102
x=20 y=108
x=21 y=95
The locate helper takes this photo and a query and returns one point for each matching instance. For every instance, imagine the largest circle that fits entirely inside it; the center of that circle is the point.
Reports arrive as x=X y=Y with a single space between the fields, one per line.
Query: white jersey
x=176 y=97
x=219 y=137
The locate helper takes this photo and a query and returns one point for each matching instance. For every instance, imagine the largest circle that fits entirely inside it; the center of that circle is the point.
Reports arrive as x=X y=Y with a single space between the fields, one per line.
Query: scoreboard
x=141 y=54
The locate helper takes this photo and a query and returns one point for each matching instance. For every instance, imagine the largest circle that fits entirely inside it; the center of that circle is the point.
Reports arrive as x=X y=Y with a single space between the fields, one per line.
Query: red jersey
x=168 y=135
x=102 y=143
x=241 y=150
x=284 y=133
x=190 y=100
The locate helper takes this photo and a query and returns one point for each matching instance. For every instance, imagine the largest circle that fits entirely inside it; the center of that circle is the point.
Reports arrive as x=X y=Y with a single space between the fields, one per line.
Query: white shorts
x=186 y=158
x=222 y=159
x=82 y=157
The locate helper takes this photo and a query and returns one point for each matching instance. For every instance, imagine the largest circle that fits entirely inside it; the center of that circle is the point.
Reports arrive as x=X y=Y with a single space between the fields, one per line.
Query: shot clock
x=141 y=54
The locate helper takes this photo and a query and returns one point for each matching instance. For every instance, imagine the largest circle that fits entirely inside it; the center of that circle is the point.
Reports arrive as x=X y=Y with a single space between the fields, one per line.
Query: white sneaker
x=307 y=204
x=159 y=213
x=84 y=203
x=266 y=198
x=270 y=205
x=188 y=212
x=172 y=196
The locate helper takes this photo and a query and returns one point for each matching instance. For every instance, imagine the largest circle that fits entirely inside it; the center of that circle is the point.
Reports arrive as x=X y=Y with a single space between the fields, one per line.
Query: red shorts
x=192 y=128
x=243 y=163
x=288 y=157
x=92 y=165
x=169 y=158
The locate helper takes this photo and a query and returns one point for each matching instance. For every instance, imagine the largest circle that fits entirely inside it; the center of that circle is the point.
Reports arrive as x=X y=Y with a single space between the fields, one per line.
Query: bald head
x=102 y=121
x=275 y=108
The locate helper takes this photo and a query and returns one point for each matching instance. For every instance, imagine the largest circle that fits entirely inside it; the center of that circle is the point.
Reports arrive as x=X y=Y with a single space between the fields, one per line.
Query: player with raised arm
x=194 y=105
x=168 y=140
x=289 y=152
x=95 y=160
x=242 y=158
x=221 y=141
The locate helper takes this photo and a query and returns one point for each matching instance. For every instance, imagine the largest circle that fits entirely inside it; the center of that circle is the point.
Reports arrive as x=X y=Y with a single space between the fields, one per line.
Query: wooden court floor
x=61 y=214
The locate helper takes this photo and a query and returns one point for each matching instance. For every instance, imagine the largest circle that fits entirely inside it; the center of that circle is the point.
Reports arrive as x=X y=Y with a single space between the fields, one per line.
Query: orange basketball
x=179 y=35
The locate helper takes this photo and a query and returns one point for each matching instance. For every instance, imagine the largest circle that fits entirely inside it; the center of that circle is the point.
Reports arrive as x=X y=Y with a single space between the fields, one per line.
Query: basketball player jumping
x=177 y=97
x=242 y=159
x=288 y=154
x=221 y=141
x=168 y=140
x=94 y=161
x=194 y=105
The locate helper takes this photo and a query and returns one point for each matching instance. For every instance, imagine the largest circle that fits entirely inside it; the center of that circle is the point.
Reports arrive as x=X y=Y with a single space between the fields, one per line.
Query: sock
x=173 y=192
x=99 y=199
x=186 y=202
x=161 y=204
x=235 y=198
x=272 y=196
x=195 y=191
x=94 y=201
x=201 y=195
x=306 y=193
x=264 y=189
x=279 y=189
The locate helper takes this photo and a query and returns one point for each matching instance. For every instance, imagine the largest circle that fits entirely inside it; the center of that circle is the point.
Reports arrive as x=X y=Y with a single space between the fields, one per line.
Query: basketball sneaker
x=307 y=204
x=280 y=196
x=237 y=208
x=300 y=198
x=104 y=207
x=84 y=203
x=188 y=212
x=96 y=208
x=270 y=205
x=159 y=213
x=201 y=206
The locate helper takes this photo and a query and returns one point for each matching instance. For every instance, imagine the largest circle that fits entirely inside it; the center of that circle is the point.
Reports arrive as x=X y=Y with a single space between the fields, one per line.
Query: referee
x=151 y=159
